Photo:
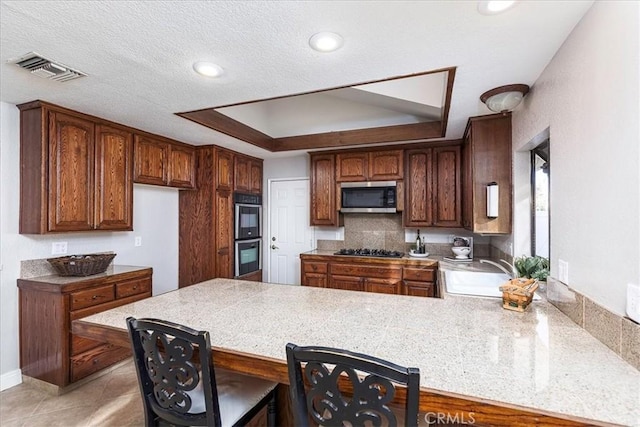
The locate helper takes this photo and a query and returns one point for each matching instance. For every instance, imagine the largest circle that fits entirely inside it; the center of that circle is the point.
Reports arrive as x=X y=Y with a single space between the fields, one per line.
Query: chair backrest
x=329 y=371
x=175 y=372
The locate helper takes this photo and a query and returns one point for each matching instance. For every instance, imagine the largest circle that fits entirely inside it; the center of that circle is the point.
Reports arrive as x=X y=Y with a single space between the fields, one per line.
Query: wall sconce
x=504 y=98
x=492 y=200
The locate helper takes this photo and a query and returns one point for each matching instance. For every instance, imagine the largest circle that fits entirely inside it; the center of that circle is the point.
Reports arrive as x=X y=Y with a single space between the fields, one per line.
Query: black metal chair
x=180 y=386
x=317 y=388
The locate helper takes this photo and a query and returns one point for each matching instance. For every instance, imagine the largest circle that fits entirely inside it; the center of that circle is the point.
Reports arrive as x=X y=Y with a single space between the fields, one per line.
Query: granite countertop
x=112 y=270
x=468 y=346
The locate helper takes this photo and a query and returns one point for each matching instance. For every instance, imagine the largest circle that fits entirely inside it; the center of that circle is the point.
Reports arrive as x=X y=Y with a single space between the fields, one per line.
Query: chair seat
x=237 y=394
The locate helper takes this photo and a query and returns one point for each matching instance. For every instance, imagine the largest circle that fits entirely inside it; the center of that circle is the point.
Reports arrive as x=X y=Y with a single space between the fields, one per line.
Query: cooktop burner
x=371 y=252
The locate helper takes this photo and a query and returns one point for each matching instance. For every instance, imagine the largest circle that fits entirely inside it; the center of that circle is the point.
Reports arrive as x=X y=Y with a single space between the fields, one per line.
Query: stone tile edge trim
x=619 y=333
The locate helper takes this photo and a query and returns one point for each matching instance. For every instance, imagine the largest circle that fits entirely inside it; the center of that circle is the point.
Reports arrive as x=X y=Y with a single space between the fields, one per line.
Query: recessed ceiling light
x=493 y=7
x=208 y=69
x=325 y=41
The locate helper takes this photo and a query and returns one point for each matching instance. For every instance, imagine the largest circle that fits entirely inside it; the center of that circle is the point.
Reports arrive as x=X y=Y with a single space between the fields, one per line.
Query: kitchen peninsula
x=501 y=367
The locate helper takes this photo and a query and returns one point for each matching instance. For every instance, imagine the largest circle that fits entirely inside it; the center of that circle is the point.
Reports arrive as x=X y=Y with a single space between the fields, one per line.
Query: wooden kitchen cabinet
x=323 y=190
x=313 y=274
x=76 y=172
x=486 y=158
x=419 y=281
x=162 y=162
x=248 y=175
x=206 y=231
x=433 y=195
x=49 y=351
x=384 y=165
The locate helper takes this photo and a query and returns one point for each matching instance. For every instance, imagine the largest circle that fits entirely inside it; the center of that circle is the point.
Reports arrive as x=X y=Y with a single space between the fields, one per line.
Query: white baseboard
x=10 y=379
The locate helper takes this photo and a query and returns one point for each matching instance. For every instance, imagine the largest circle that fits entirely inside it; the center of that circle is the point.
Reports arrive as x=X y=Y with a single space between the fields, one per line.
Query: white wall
x=588 y=98
x=155 y=218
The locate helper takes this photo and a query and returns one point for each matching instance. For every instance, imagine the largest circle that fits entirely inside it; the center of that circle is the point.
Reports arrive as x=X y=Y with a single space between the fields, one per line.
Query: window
x=540 y=221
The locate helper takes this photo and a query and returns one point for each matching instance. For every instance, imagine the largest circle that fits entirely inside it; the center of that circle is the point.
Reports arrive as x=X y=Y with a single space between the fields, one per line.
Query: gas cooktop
x=371 y=252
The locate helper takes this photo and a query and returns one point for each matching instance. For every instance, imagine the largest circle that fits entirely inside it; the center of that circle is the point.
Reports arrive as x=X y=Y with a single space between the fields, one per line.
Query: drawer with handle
x=132 y=287
x=315 y=267
x=92 y=297
x=420 y=274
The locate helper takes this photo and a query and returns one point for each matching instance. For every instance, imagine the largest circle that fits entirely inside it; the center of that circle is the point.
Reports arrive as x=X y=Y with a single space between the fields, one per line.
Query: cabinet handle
x=94 y=297
x=135 y=288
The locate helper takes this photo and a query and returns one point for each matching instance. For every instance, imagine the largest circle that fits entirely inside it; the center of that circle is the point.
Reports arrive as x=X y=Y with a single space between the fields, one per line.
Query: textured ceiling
x=139 y=54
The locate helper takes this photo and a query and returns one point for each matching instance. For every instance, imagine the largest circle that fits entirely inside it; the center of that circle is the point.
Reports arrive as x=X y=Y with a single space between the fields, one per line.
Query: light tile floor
x=110 y=400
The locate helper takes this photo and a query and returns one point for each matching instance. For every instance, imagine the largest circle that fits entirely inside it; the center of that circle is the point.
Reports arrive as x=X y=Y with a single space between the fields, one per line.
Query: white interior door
x=290 y=232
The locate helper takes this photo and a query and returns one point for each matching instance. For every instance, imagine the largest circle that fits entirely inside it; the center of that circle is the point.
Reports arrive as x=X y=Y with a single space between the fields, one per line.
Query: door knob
x=274 y=247
x=273 y=239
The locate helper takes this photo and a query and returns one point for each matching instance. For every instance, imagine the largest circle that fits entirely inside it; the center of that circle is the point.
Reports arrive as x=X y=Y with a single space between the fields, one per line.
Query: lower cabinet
x=49 y=351
x=387 y=276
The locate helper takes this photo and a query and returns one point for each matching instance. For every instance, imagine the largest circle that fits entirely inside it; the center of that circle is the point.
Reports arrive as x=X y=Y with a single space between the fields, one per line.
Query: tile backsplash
x=385 y=231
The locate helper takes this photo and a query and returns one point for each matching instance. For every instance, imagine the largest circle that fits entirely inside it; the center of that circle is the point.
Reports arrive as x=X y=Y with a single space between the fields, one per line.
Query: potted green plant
x=532 y=267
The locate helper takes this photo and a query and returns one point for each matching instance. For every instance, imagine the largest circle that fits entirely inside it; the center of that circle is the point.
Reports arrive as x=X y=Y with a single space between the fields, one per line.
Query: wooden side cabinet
x=76 y=172
x=486 y=158
x=384 y=165
x=323 y=190
x=433 y=196
x=49 y=351
x=161 y=162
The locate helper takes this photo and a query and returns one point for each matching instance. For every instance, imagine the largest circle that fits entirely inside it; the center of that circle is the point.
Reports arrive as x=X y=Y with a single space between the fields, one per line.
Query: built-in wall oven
x=248 y=233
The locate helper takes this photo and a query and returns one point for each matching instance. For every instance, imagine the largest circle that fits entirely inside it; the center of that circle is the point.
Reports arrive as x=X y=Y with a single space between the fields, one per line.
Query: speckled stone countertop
x=469 y=346
x=112 y=270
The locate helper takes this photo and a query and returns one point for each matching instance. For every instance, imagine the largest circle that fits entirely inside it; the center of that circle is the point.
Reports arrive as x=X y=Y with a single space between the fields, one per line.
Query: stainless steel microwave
x=368 y=197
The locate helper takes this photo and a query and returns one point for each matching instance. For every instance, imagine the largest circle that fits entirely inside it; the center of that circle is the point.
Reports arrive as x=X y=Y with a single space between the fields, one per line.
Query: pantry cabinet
x=162 y=162
x=49 y=351
x=76 y=172
x=487 y=158
x=323 y=190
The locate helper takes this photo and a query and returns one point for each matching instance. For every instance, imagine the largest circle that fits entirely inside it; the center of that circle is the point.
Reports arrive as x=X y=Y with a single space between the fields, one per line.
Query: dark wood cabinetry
x=433 y=189
x=76 y=172
x=369 y=166
x=48 y=349
x=248 y=175
x=486 y=158
x=161 y=162
x=323 y=190
x=389 y=276
x=206 y=220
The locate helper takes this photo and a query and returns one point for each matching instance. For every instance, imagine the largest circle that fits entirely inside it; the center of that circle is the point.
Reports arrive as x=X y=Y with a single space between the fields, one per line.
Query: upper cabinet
x=162 y=162
x=487 y=158
x=433 y=190
x=323 y=190
x=76 y=172
x=248 y=174
x=369 y=166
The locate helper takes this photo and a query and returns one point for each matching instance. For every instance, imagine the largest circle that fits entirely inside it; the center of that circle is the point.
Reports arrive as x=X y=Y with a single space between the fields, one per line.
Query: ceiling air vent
x=46 y=68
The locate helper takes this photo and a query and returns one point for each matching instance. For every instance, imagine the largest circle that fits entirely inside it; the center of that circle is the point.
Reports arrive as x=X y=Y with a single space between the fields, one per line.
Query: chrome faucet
x=511 y=272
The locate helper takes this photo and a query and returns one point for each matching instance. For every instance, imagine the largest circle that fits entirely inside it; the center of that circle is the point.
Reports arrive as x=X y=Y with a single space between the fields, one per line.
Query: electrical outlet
x=137 y=241
x=563 y=271
x=633 y=301
x=58 y=248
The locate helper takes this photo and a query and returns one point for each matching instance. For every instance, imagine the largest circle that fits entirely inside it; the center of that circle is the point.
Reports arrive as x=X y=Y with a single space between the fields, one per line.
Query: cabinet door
x=386 y=165
x=242 y=171
x=224 y=170
x=352 y=166
x=323 y=190
x=151 y=161
x=467 y=182
x=224 y=234
x=419 y=289
x=315 y=280
x=114 y=184
x=349 y=283
x=446 y=187
x=71 y=169
x=182 y=166
x=255 y=185
x=418 y=207
x=383 y=286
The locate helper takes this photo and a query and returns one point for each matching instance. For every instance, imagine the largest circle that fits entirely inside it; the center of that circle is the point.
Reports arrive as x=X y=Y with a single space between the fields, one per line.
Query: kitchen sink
x=475 y=283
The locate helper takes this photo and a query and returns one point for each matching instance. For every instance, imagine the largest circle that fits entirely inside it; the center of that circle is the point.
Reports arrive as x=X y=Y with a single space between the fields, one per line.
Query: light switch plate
x=137 y=241
x=633 y=301
x=58 y=248
x=563 y=271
